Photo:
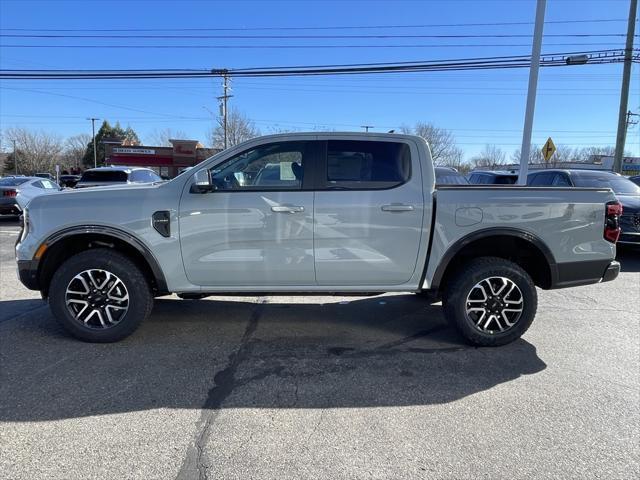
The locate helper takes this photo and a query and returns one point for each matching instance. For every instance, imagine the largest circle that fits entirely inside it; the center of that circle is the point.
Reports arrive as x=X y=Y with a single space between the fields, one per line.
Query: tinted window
x=544 y=179
x=505 y=179
x=12 y=182
x=361 y=164
x=115 y=176
x=618 y=184
x=561 y=180
x=276 y=166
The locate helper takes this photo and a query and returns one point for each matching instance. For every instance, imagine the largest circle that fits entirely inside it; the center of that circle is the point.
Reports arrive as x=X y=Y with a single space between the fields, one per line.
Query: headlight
x=25 y=224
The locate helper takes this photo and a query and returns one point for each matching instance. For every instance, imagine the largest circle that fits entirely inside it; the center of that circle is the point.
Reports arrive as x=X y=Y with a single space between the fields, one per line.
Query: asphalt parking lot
x=322 y=387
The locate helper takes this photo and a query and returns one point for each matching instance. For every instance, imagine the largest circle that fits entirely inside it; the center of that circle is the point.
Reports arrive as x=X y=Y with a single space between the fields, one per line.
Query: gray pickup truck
x=310 y=214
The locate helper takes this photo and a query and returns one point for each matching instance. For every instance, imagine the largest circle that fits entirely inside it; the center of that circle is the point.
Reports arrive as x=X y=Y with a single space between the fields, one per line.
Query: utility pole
x=15 y=156
x=624 y=91
x=95 y=151
x=531 y=94
x=366 y=127
x=223 y=105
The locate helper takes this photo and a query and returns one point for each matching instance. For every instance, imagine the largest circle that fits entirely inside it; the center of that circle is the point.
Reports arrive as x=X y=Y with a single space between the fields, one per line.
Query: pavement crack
x=224 y=383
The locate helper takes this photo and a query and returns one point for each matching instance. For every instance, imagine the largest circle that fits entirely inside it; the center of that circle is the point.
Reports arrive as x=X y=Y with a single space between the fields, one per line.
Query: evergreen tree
x=128 y=137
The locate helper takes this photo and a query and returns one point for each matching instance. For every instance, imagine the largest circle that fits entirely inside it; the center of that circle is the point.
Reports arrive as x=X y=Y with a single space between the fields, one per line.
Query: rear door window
x=356 y=164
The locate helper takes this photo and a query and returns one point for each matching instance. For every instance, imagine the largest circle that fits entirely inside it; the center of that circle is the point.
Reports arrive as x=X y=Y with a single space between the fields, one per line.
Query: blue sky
x=577 y=106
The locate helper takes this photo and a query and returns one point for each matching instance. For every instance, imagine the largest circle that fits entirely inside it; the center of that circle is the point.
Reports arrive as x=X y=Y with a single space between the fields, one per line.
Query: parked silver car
x=16 y=192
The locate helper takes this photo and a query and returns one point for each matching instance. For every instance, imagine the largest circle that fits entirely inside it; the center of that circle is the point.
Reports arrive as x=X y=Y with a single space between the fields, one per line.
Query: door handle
x=397 y=207
x=287 y=208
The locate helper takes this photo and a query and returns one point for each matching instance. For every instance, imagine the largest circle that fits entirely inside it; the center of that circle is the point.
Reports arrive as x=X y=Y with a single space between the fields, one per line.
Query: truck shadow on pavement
x=381 y=351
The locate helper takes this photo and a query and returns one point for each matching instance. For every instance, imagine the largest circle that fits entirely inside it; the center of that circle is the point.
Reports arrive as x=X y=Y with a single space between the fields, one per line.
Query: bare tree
x=239 y=129
x=587 y=154
x=161 y=137
x=441 y=142
x=563 y=153
x=535 y=155
x=490 y=156
x=74 y=149
x=38 y=151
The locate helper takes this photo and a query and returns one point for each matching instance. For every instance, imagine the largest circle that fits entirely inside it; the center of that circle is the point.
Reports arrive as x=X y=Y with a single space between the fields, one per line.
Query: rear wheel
x=100 y=295
x=491 y=301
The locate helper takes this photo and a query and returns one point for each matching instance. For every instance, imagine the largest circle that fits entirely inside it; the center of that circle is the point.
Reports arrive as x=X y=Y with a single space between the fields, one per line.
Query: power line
x=464 y=64
x=312 y=37
x=337 y=27
x=302 y=47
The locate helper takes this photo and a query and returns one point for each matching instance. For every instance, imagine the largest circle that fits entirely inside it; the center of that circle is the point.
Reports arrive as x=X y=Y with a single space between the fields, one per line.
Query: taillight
x=9 y=193
x=612 y=221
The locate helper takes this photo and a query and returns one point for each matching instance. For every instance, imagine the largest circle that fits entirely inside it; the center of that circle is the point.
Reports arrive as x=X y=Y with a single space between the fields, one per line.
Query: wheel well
x=66 y=247
x=518 y=250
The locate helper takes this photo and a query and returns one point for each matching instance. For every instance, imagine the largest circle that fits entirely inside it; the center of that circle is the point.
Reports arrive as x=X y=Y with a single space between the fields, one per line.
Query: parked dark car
x=69 y=181
x=490 y=177
x=635 y=179
x=627 y=192
x=449 y=176
x=105 y=176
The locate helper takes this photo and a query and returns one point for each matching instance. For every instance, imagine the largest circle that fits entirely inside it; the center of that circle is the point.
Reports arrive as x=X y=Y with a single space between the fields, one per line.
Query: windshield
x=619 y=185
x=104 y=176
x=12 y=182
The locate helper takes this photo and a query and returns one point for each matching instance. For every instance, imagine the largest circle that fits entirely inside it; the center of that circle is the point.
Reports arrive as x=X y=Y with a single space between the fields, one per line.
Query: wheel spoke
x=90 y=298
x=494 y=304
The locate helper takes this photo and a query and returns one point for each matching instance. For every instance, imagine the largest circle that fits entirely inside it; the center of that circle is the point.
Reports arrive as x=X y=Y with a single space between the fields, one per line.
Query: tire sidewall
x=129 y=274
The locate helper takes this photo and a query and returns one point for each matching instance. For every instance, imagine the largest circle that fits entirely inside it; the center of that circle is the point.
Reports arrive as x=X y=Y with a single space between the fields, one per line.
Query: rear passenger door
x=368 y=213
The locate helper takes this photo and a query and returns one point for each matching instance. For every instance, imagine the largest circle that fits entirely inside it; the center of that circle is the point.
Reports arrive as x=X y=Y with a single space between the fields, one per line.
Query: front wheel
x=491 y=301
x=100 y=295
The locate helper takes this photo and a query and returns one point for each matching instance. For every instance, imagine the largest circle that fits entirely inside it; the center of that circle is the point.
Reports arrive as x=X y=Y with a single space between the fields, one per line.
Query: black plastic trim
x=611 y=272
x=161 y=221
x=572 y=274
x=432 y=224
x=28 y=273
x=494 y=232
x=161 y=283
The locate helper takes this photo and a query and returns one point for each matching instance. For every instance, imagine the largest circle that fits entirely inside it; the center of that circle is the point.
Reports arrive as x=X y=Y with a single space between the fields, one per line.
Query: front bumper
x=28 y=273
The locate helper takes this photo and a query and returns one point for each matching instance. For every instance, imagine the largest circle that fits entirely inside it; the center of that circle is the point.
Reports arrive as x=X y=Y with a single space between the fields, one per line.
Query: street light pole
x=531 y=95
x=15 y=157
x=95 y=151
x=624 y=91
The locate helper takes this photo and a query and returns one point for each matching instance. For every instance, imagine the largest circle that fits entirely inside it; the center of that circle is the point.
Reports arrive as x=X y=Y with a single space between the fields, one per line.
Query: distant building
x=166 y=161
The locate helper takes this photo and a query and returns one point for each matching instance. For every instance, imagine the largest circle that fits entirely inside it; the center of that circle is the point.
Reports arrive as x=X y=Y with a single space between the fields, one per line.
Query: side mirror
x=202 y=181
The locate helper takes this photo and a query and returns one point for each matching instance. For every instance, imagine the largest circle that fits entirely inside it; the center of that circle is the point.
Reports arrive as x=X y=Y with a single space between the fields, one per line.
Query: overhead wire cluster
x=462 y=64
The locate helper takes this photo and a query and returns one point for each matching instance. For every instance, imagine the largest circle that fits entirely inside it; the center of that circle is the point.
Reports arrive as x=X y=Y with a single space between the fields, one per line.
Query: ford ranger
x=331 y=213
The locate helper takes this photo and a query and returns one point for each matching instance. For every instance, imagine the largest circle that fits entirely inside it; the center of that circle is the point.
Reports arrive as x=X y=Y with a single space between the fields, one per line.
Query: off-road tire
x=461 y=284
x=140 y=297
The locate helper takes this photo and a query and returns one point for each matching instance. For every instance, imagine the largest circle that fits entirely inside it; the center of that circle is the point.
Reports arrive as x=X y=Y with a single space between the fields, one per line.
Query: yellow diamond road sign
x=548 y=150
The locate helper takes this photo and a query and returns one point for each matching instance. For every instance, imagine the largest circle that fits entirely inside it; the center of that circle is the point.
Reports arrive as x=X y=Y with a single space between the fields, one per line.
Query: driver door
x=255 y=229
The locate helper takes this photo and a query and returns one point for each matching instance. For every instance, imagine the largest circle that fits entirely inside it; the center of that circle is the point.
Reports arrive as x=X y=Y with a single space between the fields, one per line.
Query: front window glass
x=276 y=166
